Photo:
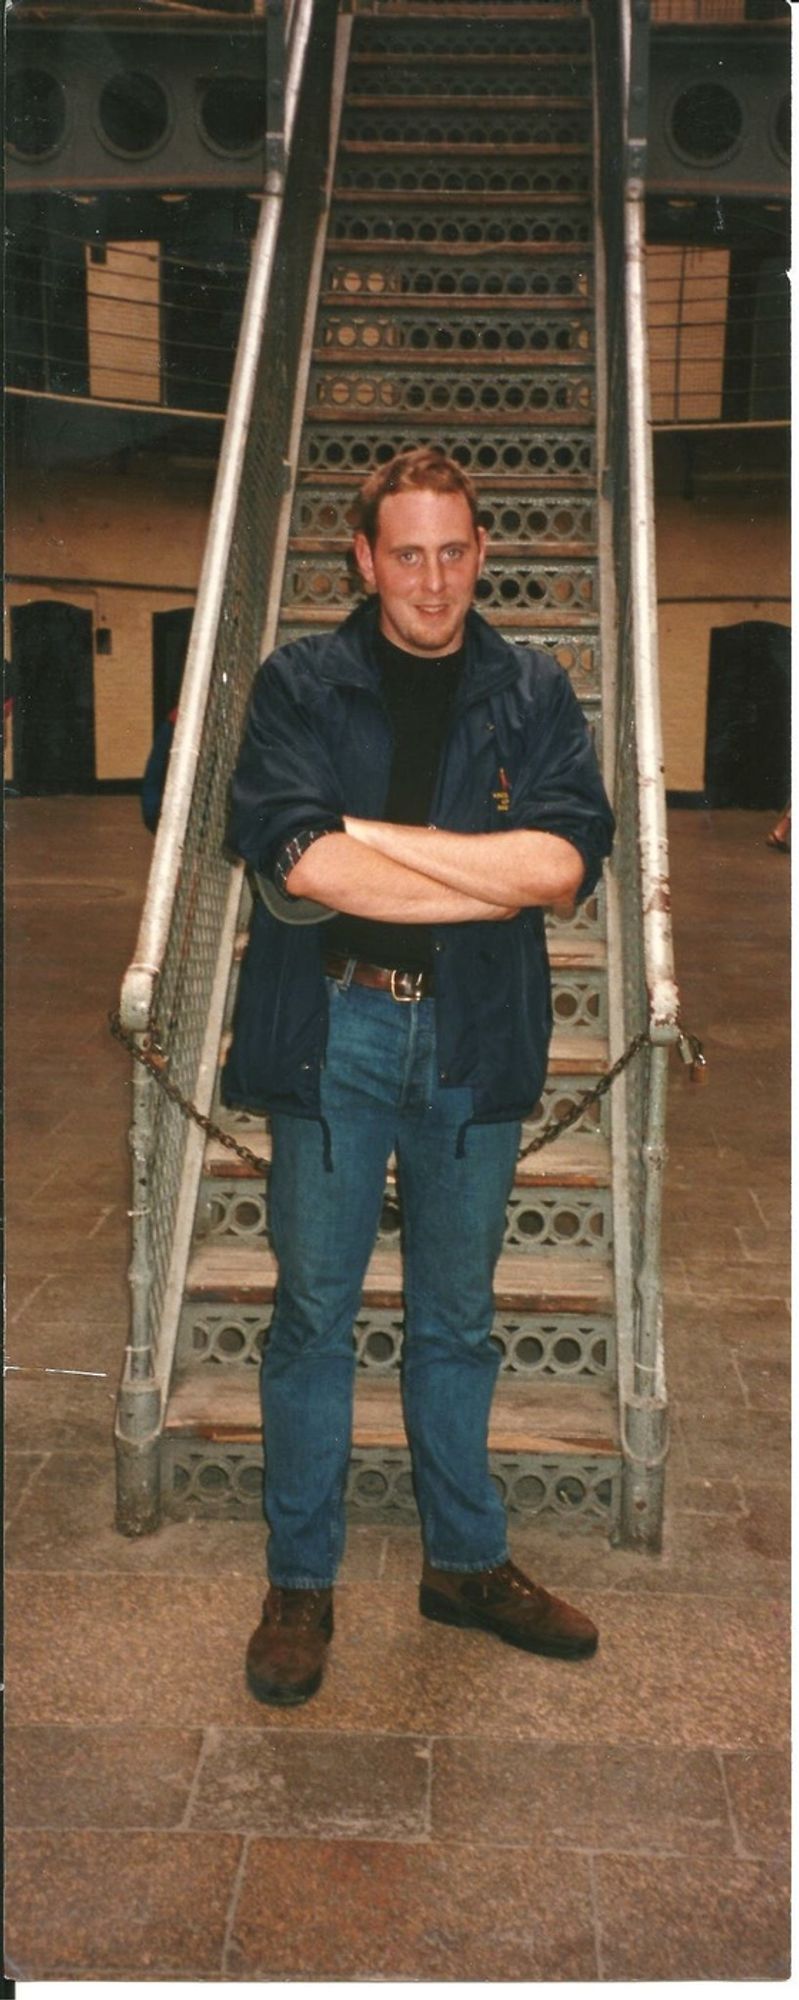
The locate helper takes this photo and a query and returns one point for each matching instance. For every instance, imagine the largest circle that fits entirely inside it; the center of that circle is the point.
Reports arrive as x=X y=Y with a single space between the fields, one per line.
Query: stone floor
x=445 y=1809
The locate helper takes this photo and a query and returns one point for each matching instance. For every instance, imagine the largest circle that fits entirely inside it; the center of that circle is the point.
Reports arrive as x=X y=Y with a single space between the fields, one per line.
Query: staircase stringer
x=641 y=988
x=193 y=900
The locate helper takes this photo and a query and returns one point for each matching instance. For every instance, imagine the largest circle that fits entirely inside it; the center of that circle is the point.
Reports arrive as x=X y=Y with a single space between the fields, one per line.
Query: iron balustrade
x=643 y=994
x=177 y=979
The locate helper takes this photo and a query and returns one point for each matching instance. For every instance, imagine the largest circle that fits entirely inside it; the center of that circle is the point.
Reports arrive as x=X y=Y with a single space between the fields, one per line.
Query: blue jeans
x=381 y=1092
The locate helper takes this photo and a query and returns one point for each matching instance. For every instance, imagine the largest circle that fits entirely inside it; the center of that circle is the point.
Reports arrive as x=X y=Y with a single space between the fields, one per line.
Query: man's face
x=424 y=567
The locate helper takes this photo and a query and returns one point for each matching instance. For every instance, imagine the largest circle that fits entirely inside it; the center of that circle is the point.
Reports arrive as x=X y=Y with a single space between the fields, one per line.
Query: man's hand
x=519 y=869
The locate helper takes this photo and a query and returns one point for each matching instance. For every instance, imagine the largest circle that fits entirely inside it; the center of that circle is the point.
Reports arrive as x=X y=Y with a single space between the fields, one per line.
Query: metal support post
x=138 y=1417
x=275 y=96
x=638 y=90
x=645 y=1415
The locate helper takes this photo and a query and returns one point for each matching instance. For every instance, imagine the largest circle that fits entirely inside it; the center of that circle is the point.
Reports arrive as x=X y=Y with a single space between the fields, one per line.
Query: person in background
x=155 y=770
x=780 y=835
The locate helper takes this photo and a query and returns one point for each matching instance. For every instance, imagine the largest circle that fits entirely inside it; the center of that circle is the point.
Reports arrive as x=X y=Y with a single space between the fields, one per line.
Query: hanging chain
x=692 y=1054
x=149 y=1053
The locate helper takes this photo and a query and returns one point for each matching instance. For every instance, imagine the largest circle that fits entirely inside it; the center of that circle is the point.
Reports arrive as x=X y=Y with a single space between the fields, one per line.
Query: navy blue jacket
x=319 y=742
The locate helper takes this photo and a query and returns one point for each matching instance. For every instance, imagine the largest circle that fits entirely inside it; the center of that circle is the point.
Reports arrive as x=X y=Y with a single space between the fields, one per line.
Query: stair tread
x=461 y=150
x=464 y=197
x=442 y=247
x=443 y=101
x=511 y=483
x=456 y=304
x=546 y=1281
x=539 y=550
x=575 y=1160
x=544 y=1416
x=522 y=621
x=456 y=362
x=487 y=420
x=409 y=10
x=560 y=102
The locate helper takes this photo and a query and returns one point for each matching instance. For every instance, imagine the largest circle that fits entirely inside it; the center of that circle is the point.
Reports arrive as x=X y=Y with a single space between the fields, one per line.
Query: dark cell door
x=170 y=640
x=53 y=668
x=747 y=747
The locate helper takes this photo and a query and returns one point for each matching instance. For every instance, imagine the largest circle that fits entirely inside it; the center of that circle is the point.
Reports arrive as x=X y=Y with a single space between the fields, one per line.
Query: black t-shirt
x=418 y=694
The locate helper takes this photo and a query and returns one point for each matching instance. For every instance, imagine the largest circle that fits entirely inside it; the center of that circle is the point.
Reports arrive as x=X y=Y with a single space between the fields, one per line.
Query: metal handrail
x=658 y=947
x=141 y=978
x=658 y=950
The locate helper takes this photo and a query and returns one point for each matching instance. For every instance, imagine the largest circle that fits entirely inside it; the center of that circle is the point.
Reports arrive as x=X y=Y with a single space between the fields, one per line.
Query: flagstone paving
x=445 y=1809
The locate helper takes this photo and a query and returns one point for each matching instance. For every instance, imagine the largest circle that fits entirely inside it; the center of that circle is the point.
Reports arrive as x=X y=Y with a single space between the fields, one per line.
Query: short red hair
x=424 y=469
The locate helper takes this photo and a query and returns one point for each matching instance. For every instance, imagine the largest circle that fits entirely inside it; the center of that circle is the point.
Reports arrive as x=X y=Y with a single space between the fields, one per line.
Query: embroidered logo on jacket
x=501 y=796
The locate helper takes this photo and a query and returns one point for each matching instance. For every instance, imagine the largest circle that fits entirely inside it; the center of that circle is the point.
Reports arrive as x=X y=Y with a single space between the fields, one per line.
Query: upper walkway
x=620 y=1820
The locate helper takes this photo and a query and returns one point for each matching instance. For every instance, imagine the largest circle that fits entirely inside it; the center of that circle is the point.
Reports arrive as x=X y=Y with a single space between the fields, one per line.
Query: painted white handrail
x=140 y=981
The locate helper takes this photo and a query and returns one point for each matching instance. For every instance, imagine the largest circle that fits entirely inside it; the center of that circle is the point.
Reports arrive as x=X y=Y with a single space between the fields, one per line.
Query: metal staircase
x=454 y=300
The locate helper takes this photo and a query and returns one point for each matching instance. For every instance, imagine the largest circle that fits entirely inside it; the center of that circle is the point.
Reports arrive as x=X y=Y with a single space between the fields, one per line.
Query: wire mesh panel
x=199 y=879
x=224 y=1482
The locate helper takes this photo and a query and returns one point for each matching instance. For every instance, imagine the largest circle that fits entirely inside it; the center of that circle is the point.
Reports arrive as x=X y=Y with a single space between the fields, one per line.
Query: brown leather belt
x=401 y=985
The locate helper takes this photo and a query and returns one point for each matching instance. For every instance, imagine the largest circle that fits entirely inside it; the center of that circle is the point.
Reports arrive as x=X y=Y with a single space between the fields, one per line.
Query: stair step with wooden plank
x=575 y=1160
x=455 y=361
x=554 y=1451
x=549 y=1282
x=528 y=1417
x=383 y=11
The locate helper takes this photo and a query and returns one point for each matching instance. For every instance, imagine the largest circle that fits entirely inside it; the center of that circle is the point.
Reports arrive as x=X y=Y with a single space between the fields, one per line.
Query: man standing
x=430 y=789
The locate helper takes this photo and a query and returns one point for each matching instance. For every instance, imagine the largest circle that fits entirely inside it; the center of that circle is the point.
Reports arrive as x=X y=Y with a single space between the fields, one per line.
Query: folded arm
x=345 y=874
x=518 y=868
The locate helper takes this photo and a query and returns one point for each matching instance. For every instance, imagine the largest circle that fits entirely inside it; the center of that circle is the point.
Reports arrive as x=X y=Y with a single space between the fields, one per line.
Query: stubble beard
x=429 y=639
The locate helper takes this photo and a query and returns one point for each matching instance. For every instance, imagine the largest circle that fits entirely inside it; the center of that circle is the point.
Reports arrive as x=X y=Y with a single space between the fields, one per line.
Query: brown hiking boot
x=505 y=1602
x=286 y=1654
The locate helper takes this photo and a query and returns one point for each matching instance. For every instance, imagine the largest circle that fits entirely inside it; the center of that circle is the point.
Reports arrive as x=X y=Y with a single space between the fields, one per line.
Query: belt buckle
x=417 y=979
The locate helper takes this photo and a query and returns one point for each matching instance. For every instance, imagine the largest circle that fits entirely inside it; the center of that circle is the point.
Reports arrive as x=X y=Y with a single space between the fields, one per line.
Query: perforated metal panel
x=449 y=276
x=520 y=123
x=554 y=1345
x=227 y=1485
x=324 y=512
x=383 y=332
x=477 y=35
x=531 y=392
x=540 y=453
x=555 y=1218
x=488 y=178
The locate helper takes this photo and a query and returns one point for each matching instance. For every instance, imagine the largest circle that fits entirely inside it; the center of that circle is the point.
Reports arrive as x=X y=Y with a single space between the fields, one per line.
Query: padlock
x=692 y=1055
